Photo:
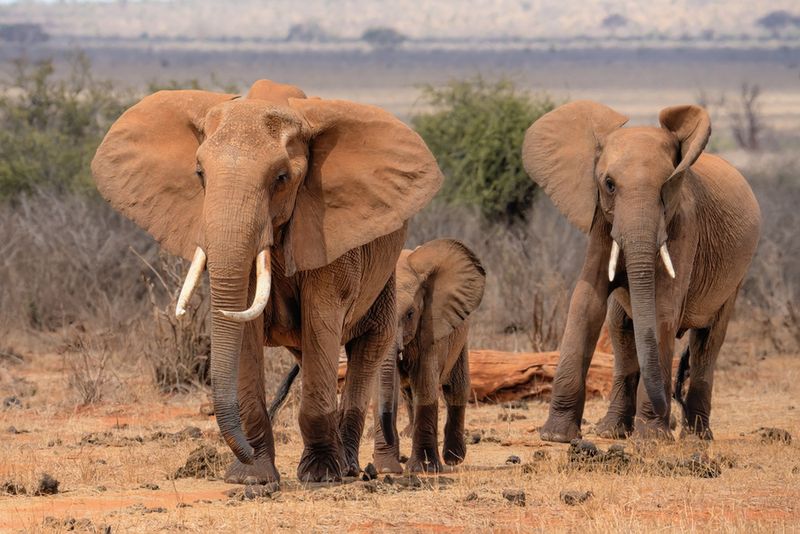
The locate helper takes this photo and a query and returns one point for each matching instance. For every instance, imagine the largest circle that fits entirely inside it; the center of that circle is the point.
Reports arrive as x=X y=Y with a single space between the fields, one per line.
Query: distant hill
x=492 y=20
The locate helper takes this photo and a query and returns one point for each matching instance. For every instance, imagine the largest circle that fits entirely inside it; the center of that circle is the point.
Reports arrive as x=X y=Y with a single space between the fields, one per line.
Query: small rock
x=54 y=442
x=514 y=496
x=796 y=470
x=471 y=497
x=575 y=497
x=540 y=455
x=513 y=460
x=155 y=510
x=475 y=438
x=15 y=430
x=183 y=505
x=254 y=491
x=388 y=479
x=47 y=485
x=581 y=450
x=207 y=408
x=12 y=488
x=149 y=485
x=12 y=402
x=370 y=473
x=203 y=462
x=774 y=435
x=101 y=488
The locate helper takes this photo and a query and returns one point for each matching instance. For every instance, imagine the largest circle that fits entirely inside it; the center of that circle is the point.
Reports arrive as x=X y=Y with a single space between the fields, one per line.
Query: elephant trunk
x=226 y=346
x=640 y=258
x=387 y=393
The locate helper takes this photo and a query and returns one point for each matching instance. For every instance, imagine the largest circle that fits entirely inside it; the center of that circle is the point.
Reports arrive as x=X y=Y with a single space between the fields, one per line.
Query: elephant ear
x=560 y=152
x=145 y=166
x=454 y=279
x=692 y=126
x=368 y=174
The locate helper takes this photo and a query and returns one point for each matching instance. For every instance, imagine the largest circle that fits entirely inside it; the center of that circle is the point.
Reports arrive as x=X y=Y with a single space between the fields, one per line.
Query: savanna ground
x=115 y=462
x=101 y=386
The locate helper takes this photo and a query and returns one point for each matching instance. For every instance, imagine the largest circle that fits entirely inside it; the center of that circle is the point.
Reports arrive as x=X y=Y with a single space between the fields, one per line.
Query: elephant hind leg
x=253 y=412
x=704 y=347
x=456 y=395
x=618 y=421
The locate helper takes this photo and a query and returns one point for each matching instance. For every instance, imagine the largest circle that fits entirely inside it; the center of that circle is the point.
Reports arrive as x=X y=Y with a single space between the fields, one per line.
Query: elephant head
x=225 y=180
x=439 y=284
x=594 y=170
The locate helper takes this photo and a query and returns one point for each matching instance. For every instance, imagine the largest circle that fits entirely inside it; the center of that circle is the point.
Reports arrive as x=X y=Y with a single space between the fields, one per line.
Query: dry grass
x=757 y=491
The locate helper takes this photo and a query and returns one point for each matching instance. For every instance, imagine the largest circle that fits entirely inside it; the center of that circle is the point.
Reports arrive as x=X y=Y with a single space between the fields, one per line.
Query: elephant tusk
x=192 y=277
x=263 y=283
x=667 y=260
x=612 y=261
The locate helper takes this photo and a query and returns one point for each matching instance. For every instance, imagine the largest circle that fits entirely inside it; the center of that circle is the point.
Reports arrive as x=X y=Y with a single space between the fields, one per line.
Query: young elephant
x=298 y=207
x=672 y=232
x=438 y=285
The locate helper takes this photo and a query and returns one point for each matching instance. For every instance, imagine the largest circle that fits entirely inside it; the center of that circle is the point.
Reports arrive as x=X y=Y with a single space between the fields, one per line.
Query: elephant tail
x=680 y=378
x=283 y=391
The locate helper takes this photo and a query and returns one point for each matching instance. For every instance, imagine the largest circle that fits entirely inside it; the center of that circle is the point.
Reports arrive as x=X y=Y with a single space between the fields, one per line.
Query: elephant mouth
x=263 y=287
x=663 y=252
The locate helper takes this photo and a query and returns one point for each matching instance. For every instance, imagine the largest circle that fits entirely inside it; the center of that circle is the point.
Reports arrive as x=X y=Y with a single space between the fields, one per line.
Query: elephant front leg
x=425 y=428
x=322 y=459
x=253 y=412
x=704 y=347
x=456 y=396
x=587 y=311
x=618 y=421
x=364 y=354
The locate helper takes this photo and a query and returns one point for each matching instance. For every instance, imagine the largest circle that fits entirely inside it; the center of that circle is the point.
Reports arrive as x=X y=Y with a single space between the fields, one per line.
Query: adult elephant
x=672 y=232
x=294 y=204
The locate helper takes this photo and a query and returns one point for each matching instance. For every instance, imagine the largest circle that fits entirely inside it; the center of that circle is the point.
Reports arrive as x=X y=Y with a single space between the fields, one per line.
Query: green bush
x=475 y=129
x=50 y=127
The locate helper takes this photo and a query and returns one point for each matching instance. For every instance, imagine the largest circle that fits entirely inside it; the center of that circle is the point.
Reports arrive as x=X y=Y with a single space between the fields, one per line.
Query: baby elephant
x=438 y=285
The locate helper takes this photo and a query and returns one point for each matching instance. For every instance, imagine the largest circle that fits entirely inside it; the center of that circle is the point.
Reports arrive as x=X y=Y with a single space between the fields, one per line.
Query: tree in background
x=475 y=129
x=49 y=127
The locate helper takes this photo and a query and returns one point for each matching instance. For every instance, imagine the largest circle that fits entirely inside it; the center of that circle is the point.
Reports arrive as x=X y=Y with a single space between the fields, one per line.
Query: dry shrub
x=178 y=350
x=88 y=374
x=65 y=259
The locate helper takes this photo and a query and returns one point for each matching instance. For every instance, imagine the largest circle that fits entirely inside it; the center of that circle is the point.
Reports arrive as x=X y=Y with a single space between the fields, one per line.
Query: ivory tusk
x=263 y=283
x=667 y=260
x=612 y=261
x=189 y=285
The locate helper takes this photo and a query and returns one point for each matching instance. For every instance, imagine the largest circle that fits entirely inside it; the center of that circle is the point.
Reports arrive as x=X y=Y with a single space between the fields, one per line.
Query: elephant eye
x=200 y=175
x=282 y=177
x=410 y=314
x=610 y=186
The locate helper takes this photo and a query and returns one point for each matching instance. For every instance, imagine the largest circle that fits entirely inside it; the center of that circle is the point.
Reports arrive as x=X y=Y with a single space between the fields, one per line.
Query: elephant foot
x=613 y=426
x=319 y=466
x=387 y=462
x=261 y=471
x=426 y=461
x=561 y=429
x=351 y=428
x=700 y=430
x=651 y=429
x=454 y=452
x=322 y=459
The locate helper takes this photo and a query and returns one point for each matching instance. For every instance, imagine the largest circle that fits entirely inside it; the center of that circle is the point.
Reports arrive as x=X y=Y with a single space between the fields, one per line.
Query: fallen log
x=498 y=376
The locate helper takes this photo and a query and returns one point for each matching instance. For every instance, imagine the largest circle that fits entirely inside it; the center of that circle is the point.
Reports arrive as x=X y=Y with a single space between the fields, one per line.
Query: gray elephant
x=298 y=207
x=672 y=231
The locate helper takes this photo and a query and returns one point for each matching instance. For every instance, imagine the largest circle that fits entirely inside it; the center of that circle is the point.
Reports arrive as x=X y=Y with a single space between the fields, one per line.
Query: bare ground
x=108 y=457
